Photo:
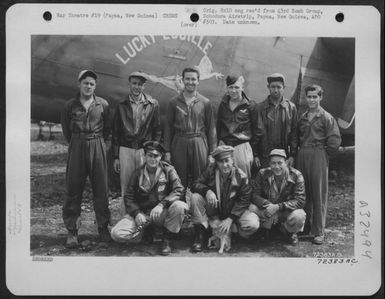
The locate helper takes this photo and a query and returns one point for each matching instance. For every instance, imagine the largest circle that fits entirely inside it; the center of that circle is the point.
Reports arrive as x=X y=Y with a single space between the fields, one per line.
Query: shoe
x=72 y=239
x=200 y=236
x=165 y=248
x=104 y=234
x=318 y=240
x=293 y=239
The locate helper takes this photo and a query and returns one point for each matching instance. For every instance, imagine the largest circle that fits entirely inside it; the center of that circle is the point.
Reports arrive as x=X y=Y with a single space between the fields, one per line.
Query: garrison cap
x=137 y=75
x=278 y=152
x=86 y=73
x=151 y=146
x=276 y=77
x=232 y=79
x=222 y=151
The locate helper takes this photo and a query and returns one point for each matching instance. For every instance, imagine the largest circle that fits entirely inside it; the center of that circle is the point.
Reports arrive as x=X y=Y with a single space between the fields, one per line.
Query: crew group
x=203 y=167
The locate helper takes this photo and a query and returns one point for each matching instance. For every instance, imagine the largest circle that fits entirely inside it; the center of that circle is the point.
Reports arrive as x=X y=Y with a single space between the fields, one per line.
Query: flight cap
x=222 y=151
x=233 y=78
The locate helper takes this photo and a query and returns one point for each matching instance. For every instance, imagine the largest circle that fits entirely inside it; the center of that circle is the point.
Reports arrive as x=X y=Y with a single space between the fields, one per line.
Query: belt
x=235 y=142
x=188 y=134
x=134 y=144
x=86 y=136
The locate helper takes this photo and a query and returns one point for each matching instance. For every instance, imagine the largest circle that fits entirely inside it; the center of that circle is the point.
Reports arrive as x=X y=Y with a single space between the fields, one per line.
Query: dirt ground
x=48 y=234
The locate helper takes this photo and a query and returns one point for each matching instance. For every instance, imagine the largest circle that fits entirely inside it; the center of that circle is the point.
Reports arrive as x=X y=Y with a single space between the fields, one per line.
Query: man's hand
x=167 y=157
x=155 y=212
x=212 y=199
x=140 y=219
x=211 y=159
x=225 y=225
x=257 y=162
x=271 y=209
x=116 y=165
x=290 y=162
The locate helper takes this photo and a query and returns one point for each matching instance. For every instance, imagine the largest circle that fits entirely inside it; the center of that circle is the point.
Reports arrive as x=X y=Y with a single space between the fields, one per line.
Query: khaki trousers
x=313 y=162
x=130 y=159
x=171 y=218
x=86 y=157
x=201 y=211
x=292 y=221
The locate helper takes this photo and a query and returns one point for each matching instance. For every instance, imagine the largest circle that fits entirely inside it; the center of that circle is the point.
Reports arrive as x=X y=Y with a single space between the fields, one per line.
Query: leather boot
x=72 y=239
x=200 y=238
x=165 y=248
x=104 y=234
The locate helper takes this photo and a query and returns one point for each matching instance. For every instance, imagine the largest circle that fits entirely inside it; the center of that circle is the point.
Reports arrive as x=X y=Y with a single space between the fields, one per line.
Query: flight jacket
x=235 y=198
x=123 y=128
x=166 y=189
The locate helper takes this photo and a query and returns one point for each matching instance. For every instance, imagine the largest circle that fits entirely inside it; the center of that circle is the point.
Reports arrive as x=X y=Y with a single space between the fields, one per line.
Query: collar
x=284 y=102
x=287 y=176
x=182 y=99
x=245 y=100
x=145 y=175
x=232 y=176
x=142 y=99
x=96 y=100
x=320 y=112
x=145 y=99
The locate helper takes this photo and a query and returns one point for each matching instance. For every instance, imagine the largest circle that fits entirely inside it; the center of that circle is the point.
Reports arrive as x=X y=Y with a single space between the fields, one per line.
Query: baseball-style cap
x=222 y=151
x=278 y=152
x=86 y=73
x=276 y=77
x=137 y=75
x=154 y=147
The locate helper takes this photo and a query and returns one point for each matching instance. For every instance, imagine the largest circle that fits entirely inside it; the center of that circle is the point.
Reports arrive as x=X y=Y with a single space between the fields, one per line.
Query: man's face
x=87 y=86
x=225 y=165
x=136 y=86
x=153 y=159
x=276 y=89
x=313 y=99
x=235 y=90
x=278 y=165
x=190 y=81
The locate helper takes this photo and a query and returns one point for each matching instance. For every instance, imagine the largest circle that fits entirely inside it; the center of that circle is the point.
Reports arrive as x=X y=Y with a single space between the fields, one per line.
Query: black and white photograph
x=245 y=79
x=212 y=137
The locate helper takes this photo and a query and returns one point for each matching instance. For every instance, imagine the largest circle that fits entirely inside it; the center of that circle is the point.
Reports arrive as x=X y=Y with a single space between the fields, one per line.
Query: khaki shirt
x=76 y=119
x=321 y=131
x=195 y=118
x=137 y=112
